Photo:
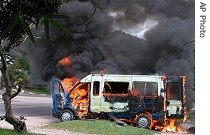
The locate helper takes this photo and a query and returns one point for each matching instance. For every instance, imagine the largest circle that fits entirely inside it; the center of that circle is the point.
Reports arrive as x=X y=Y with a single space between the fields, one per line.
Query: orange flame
x=68 y=83
x=80 y=100
x=172 y=127
x=65 y=61
x=79 y=95
x=184 y=98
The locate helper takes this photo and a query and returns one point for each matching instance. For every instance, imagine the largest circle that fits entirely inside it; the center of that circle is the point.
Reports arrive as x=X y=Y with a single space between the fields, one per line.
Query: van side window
x=58 y=87
x=116 y=87
x=147 y=89
x=96 y=86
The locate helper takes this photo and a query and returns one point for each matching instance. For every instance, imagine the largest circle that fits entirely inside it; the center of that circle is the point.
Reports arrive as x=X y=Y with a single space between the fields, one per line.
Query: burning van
x=143 y=100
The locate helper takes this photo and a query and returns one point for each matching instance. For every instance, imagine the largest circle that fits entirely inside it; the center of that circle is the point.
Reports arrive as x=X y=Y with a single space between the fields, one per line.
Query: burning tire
x=143 y=121
x=66 y=115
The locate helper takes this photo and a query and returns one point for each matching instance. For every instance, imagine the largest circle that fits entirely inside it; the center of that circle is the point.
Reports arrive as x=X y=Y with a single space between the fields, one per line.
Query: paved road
x=29 y=105
x=37 y=111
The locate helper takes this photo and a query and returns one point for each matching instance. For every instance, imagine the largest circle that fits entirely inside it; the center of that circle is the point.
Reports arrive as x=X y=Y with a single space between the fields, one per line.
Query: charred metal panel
x=138 y=104
x=119 y=107
x=112 y=98
x=174 y=109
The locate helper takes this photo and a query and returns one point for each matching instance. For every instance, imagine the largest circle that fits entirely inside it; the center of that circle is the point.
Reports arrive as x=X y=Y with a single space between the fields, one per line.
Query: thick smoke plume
x=100 y=44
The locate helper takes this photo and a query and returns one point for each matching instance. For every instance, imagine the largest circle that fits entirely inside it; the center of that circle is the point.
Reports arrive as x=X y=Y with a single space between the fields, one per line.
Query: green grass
x=100 y=127
x=37 y=91
x=191 y=115
x=13 y=132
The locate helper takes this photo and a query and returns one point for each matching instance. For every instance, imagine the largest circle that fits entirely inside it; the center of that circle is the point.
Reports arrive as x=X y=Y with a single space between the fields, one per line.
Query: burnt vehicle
x=140 y=99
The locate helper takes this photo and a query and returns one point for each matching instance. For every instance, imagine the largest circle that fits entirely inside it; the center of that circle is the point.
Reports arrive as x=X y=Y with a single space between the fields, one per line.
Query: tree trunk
x=18 y=124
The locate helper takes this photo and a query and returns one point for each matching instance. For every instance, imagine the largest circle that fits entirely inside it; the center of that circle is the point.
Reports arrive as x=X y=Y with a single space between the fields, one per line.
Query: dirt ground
x=35 y=124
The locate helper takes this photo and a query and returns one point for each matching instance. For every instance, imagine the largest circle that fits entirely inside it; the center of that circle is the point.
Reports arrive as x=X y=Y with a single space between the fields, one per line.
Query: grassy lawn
x=100 y=127
x=13 y=132
x=37 y=91
x=191 y=115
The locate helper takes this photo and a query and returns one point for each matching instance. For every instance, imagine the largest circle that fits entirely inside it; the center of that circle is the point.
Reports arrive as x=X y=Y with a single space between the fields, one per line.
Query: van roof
x=146 y=77
x=88 y=77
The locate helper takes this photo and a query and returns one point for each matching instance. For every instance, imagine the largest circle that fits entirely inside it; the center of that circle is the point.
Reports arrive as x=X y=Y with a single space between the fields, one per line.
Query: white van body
x=128 y=97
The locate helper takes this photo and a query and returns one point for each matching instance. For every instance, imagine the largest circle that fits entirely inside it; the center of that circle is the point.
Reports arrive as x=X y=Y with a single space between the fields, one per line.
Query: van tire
x=143 y=121
x=66 y=115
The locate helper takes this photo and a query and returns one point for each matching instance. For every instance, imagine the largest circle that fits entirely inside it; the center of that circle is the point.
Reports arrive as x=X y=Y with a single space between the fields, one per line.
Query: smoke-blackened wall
x=166 y=47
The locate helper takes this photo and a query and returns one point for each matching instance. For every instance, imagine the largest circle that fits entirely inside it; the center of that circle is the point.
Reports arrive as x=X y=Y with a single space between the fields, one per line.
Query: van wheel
x=66 y=115
x=143 y=121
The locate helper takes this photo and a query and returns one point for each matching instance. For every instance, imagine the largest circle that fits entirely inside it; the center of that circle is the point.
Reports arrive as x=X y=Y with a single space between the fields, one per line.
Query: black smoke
x=96 y=44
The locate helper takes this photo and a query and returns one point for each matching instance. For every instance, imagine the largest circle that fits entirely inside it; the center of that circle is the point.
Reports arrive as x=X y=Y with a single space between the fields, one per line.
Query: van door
x=95 y=96
x=58 y=97
x=109 y=93
x=174 y=98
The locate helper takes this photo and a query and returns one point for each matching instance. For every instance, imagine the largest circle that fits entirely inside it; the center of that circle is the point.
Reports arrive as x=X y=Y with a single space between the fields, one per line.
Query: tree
x=18 y=17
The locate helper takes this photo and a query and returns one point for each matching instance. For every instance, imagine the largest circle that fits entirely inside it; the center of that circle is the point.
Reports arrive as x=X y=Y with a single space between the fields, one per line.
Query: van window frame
x=96 y=88
x=144 y=92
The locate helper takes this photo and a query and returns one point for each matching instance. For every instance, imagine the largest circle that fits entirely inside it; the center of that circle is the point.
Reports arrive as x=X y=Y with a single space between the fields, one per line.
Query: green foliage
x=191 y=115
x=19 y=71
x=18 y=16
x=101 y=127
